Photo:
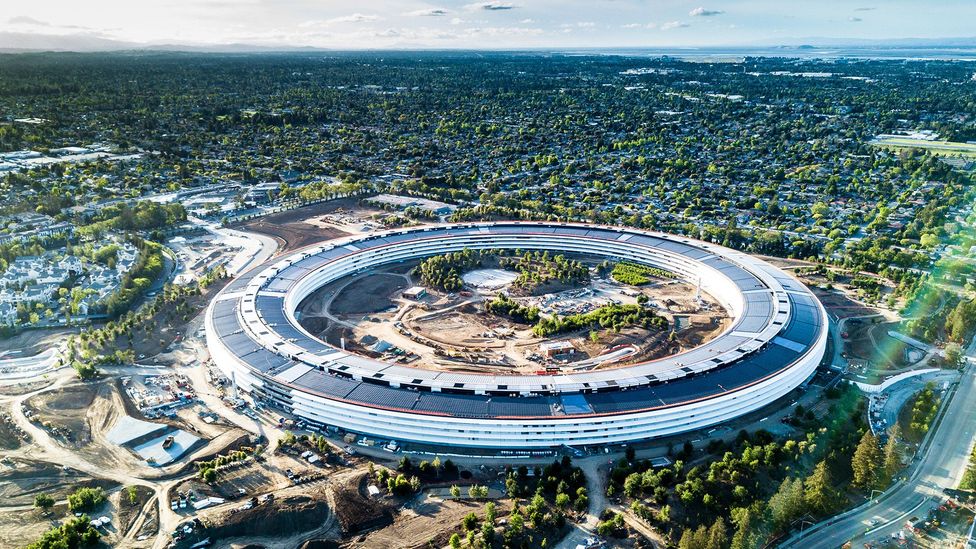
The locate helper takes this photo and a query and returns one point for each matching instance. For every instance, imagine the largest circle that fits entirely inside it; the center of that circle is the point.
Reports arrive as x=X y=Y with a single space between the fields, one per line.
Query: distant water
x=961 y=53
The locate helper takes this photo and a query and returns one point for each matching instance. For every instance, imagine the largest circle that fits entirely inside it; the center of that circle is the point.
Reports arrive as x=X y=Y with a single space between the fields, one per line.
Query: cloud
x=867 y=8
x=527 y=21
x=430 y=12
x=674 y=25
x=24 y=20
x=478 y=32
x=855 y=19
x=639 y=26
x=702 y=12
x=351 y=18
x=491 y=6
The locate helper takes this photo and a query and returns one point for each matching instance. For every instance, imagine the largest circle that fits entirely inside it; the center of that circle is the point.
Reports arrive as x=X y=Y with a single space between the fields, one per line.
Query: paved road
x=596 y=490
x=902 y=392
x=940 y=464
x=256 y=248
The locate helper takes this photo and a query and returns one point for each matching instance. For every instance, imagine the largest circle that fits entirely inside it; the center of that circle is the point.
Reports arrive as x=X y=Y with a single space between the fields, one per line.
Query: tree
x=43 y=502
x=633 y=485
x=74 y=533
x=562 y=501
x=953 y=354
x=818 y=491
x=582 y=503
x=866 y=461
x=209 y=475
x=744 y=537
x=85 y=499
x=490 y=512
x=512 y=487
x=455 y=541
x=516 y=522
x=718 y=535
x=787 y=503
x=470 y=521
x=487 y=532
x=694 y=539
x=892 y=453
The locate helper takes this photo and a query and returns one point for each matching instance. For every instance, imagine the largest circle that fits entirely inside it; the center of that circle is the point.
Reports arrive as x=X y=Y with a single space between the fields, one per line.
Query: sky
x=491 y=24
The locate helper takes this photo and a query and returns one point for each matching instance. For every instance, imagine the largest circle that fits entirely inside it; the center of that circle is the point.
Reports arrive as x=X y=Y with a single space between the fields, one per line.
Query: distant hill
x=18 y=42
x=24 y=42
x=13 y=42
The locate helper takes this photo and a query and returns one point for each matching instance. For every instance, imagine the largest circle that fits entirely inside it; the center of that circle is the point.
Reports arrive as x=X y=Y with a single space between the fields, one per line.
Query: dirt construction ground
x=22 y=479
x=450 y=331
x=32 y=342
x=64 y=410
x=292 y=229
x=369 y=294
x=425 y=522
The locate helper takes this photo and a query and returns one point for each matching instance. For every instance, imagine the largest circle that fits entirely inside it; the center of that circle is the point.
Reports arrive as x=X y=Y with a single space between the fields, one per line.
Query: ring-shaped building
x=775 y=341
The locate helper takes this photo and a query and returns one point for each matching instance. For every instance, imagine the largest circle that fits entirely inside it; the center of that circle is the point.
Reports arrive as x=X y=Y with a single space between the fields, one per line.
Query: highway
x=940 y=463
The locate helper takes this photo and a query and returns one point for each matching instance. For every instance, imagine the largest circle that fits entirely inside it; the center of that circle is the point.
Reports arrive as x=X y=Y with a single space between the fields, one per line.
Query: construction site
x=183 y=460
x=388 y=314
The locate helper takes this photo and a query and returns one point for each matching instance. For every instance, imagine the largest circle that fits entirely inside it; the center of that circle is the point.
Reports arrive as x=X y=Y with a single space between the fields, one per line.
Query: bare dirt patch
x=870 y=342
x=11 y=435
x=286 y=515
x=292 y=228
x=130 y=510
x=425 y=522
x=22 y=479
x=24 y=388
x=167 y=326
x=31 y=342
x=453 y=332
x=370 y=294
x=20 y=528
x=355 y=510
x=63 y=411
x=838 y=303
x=253 y=478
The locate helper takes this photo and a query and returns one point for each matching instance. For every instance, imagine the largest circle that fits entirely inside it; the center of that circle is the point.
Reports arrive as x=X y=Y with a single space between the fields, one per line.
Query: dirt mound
x=284 y=516
x=64 y=412
x=356 y=511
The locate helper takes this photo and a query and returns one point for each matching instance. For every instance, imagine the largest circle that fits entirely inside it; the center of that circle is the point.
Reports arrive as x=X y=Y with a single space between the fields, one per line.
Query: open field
x=21 y=479
x=299 y=227
x=31 y=342
x=937 y=147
